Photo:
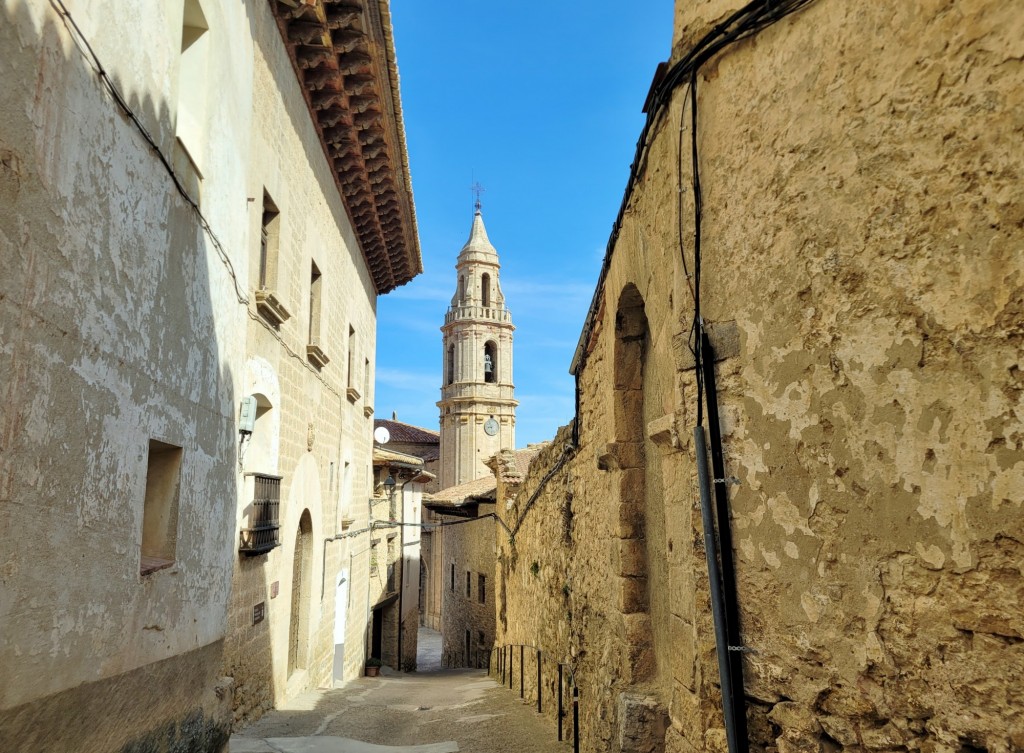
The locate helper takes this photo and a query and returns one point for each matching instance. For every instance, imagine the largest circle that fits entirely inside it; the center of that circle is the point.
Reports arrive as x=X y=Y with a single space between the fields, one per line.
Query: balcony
x=262 y=534
x=485 y=313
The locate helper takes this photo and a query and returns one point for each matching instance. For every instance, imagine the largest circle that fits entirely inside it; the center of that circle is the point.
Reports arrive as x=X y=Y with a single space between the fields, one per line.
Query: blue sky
x=541 y=105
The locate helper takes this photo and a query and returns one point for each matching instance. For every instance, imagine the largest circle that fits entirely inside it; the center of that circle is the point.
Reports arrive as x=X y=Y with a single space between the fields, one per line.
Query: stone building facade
x=466 y=585
x=331 y=227
x=394 y=548
x=466 y=516
x=860 y=282
x=198 y=209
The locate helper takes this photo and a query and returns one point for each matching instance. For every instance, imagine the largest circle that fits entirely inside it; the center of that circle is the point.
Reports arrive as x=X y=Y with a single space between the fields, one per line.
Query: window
x=453 y=578
x=267 y=302
x=450 y=370
x=315 y=282
x=264 y=524
x=485 y=290
x=462 y=289
x=373 y=558
x=490 y=361
x=366 y=382
x=270 y=225
x=190 y=124
x=160 y=508
x=314 y=352
x=481 y=588
x=469 y=585
x=352 y=393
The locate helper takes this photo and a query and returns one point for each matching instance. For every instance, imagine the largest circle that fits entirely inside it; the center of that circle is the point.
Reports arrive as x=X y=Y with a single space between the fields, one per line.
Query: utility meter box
x=247 y=417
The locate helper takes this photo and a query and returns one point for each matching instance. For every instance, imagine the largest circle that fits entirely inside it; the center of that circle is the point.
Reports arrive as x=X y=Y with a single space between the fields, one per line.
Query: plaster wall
x=862 y=276
x=119 y=324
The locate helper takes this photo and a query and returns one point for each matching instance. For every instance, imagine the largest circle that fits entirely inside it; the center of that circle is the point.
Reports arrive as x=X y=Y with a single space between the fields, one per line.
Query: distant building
x=466 y=516
x=477 y=406
x=477 y=418
x=414 y=440
x=394 y=541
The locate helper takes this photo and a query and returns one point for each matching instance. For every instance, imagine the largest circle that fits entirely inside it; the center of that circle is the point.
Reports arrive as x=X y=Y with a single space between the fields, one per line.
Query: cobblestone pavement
x=443 y=711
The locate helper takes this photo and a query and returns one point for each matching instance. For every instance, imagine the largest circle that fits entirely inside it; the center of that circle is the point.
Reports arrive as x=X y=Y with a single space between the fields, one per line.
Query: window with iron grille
x=262 y=534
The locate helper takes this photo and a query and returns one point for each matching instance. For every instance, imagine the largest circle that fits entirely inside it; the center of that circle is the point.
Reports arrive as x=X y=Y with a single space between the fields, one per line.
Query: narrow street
x=439 y=711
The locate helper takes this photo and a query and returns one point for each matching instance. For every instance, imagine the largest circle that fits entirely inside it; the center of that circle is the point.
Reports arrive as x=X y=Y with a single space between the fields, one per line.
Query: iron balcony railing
x=264 y=525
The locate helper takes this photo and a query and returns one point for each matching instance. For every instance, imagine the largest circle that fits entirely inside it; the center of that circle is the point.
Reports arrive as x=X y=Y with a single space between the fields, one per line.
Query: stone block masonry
x=861 y=228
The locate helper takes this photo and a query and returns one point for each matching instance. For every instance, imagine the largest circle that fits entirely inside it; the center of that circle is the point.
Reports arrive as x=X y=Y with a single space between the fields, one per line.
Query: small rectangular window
x=315 y=282
x=481 y=591
x=190 y=127
x=270 y=224
x=351 y=355
x=453 y=578
x=469 y=585
x=160 y=508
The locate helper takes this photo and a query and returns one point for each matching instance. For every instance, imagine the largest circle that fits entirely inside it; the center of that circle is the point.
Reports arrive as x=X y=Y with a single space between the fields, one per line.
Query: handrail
x=504 y=664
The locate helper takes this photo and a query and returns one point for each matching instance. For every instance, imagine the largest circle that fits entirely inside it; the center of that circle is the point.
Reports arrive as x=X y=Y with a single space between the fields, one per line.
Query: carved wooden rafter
x=343 y=55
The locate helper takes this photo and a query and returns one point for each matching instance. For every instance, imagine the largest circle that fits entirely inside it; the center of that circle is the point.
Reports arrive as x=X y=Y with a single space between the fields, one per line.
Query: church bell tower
x=478 y=407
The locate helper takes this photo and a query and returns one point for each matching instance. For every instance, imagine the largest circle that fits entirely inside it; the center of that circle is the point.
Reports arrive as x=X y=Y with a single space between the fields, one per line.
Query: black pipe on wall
x=725 y=548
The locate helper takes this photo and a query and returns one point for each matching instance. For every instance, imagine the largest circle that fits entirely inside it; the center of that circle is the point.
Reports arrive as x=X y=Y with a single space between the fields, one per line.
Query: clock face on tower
x=491 y=427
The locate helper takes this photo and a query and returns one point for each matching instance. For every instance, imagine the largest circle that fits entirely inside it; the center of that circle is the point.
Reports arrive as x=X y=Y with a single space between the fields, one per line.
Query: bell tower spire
x=478 y=407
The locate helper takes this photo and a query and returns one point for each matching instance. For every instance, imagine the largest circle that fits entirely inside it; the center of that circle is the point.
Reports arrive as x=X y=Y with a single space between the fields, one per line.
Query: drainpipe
x=715 y=583
x=401 y=570
x=729 y=590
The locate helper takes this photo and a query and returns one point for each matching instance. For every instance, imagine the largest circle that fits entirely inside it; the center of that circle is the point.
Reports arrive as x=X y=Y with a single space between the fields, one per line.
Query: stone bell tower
x=478 y=407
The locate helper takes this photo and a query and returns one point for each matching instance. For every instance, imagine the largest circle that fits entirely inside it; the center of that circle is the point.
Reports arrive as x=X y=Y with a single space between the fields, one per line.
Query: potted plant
x=373 y=666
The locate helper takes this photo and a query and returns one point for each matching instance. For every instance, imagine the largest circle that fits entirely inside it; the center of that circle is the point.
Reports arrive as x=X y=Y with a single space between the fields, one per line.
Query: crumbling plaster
x=862 y=229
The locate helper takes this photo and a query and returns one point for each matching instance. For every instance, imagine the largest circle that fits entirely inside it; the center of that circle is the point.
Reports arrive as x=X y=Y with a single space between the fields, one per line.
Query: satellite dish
x=381 y=435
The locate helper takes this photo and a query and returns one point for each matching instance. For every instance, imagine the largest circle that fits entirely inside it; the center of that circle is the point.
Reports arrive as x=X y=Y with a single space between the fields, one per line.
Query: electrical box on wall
x=247 y=417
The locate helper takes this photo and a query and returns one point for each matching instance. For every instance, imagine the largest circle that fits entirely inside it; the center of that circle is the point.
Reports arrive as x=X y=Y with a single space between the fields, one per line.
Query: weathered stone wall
x=470 y=547
x=861 y=267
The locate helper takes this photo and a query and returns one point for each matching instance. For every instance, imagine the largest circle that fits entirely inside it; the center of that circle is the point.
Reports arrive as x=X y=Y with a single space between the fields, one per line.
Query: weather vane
x=477 y=189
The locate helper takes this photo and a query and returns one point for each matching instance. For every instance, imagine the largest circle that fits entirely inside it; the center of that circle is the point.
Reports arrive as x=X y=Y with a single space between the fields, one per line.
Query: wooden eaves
x=343 y=54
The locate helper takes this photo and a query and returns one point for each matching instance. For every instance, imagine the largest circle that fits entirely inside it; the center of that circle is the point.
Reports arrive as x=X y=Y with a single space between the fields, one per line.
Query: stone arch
x=262 y=452
x=302 y=576
x=491 y=356
x=630 y=356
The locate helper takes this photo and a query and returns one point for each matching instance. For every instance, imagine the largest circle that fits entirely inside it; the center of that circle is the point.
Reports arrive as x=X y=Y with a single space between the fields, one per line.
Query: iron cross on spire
x=477 y=189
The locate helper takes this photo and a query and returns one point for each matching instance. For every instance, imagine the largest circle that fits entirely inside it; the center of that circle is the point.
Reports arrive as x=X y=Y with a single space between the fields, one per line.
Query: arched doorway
x=302 y=560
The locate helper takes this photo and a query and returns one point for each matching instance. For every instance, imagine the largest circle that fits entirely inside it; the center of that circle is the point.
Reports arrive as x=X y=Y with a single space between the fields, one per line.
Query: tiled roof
x=486 y=486
x=401 y=432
